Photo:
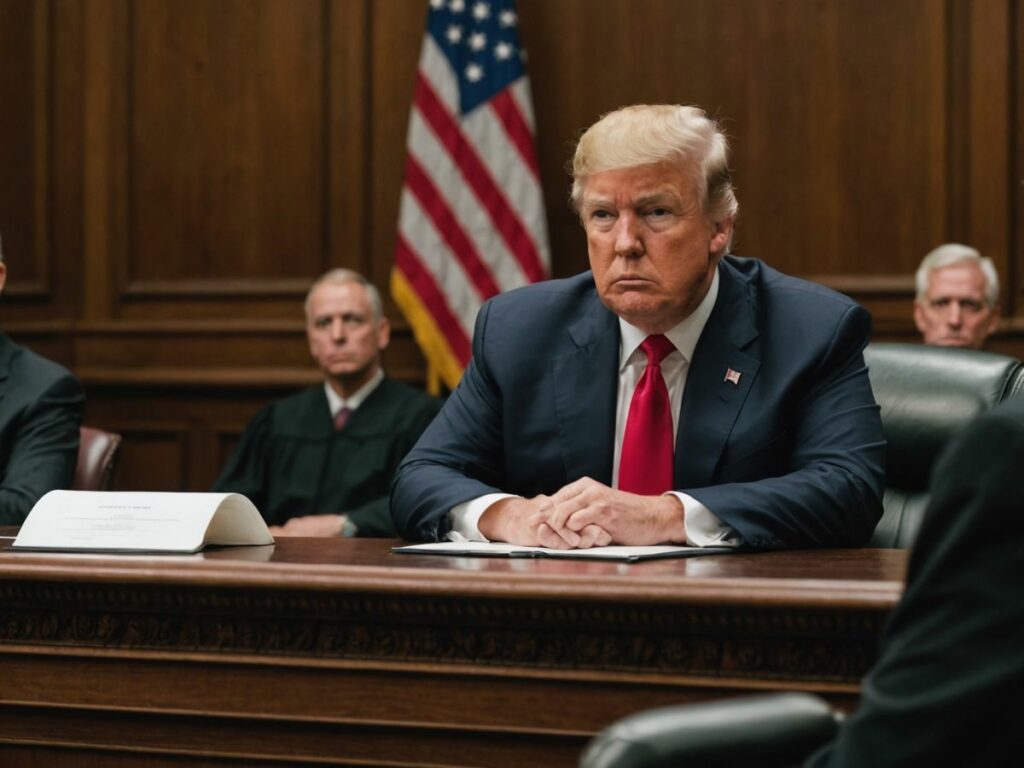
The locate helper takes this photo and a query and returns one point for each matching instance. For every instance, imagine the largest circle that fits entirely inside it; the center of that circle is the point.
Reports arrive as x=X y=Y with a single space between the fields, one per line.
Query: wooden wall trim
x=227 y=287
x=207 y=378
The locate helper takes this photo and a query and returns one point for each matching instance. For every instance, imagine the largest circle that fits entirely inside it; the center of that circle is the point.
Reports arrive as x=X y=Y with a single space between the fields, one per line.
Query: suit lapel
x=719 y=380
x=586 y=383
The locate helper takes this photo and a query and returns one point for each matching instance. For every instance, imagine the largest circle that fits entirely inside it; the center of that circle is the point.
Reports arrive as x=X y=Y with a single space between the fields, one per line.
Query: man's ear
x=721 y=236
x=383 y=334
x=3 y=276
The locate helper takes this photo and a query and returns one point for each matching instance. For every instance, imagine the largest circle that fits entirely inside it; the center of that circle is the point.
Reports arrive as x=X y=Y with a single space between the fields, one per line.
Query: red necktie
x=341 y=418
x=645 y=465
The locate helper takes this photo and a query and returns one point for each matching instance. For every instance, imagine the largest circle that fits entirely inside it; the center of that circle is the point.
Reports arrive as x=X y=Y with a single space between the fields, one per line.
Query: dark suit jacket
x=947 y=687
x=291 y=462
x=40 y=415
x=790 y=456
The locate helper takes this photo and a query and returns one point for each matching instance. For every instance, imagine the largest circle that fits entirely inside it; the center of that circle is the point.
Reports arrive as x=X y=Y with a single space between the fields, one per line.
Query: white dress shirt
x=702 y=527
x=336 y=402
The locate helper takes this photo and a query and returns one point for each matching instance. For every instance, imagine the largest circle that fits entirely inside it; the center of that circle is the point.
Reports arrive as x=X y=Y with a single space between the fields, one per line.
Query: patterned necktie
x=645 y=465
x=341 y=419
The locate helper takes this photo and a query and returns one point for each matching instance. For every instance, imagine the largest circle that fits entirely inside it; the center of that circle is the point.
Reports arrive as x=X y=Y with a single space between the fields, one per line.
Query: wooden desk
x=338 y=652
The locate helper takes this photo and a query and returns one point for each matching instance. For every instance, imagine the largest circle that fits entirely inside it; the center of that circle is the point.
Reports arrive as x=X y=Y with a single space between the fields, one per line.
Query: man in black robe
x=319 y=463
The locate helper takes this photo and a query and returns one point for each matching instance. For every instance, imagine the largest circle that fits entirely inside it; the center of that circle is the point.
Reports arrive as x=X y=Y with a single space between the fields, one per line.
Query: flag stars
x=507 y=18
x=478 y=41
x=457 y=6
x=503 y=51
x=437 y=4
x=481 y=11
x=474 y=73
x=454 y=34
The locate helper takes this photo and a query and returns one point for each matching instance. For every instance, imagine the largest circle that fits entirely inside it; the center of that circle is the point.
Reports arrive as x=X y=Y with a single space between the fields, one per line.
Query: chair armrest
x=771 y=730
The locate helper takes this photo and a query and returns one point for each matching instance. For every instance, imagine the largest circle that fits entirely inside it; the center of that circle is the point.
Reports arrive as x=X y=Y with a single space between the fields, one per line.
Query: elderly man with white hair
x=957 y=303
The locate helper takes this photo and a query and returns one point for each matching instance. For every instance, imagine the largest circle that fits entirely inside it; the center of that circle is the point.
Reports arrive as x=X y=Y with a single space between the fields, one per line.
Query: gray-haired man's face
x=954 y=311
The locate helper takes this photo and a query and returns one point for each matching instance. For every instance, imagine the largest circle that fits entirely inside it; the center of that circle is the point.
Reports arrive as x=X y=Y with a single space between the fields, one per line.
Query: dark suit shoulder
x=26 y=365
x=980 y=472
x=30 y=377
x=786 y=307
x=767 y=280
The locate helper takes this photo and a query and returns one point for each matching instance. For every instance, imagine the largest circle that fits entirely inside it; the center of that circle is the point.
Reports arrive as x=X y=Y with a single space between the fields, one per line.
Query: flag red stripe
x=433 y=202
x=505 y=219
x=518 y=131
x=407 y=260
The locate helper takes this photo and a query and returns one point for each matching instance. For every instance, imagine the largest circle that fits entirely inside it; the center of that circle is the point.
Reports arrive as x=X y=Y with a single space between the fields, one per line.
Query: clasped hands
x=584 y=514
x=310 y=525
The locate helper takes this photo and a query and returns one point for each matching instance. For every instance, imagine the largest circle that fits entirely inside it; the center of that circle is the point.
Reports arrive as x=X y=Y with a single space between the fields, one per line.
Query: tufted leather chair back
x=97 y=458
x=927 y=394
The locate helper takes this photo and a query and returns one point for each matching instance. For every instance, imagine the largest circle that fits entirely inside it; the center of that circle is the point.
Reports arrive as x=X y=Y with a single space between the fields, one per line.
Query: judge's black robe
x=291 y=462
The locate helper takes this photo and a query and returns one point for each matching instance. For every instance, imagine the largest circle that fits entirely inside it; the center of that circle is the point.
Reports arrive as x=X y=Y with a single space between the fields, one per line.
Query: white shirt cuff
x=703 y=529
x=464 y=518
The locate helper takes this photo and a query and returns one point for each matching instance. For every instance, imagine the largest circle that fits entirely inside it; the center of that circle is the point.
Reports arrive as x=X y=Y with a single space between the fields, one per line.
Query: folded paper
x=135 y=521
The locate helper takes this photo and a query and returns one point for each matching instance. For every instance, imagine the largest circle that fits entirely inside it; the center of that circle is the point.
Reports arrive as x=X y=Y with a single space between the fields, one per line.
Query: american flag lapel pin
x=733 y=377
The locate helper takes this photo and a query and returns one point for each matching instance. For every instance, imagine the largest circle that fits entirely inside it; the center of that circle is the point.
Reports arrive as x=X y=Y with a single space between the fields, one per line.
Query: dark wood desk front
x=338 y=652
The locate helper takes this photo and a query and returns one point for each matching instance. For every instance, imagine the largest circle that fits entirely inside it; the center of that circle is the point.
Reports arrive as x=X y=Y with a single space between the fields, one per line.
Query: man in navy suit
x=756 y=425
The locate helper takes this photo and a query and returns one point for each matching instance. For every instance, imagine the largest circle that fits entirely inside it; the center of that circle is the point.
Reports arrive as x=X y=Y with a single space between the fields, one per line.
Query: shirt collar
x=684 y=336
x=336 y=402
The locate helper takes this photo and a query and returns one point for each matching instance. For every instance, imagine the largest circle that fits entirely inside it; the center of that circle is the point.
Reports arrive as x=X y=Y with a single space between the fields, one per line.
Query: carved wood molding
x=710 y=641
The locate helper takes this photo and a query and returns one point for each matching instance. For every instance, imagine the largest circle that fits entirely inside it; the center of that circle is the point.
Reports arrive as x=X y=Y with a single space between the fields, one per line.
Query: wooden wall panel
x=396 y=31
x=227 y=122
x=24 y=148
x=176 y=437
x=225 y=158
x=841 y=115
x=177 y=171
x=155 y=459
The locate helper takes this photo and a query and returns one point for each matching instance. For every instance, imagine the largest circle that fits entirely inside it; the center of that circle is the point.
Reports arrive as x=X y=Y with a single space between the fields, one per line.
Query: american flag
x=471 y=222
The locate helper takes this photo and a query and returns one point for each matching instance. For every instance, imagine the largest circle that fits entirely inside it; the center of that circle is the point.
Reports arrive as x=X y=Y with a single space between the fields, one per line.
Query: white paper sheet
x=141 y=521
x=614 y=552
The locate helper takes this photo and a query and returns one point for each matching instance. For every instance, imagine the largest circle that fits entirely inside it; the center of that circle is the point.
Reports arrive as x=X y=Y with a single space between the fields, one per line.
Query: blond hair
x=644 y=134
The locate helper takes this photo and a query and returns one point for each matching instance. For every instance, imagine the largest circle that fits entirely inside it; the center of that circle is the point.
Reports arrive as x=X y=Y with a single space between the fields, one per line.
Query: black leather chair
x=927 y=394
x=769 y=731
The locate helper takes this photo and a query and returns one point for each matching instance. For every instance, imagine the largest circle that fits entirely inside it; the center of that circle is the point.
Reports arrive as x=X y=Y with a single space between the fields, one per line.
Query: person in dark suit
x=945 y=688
x=40 y=416
x=755 y=422
x=319 y=463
